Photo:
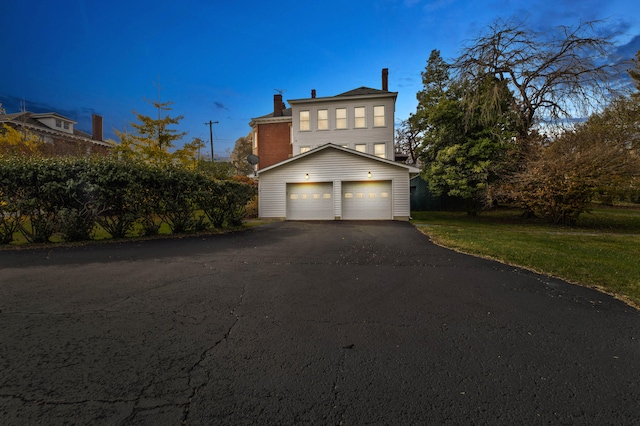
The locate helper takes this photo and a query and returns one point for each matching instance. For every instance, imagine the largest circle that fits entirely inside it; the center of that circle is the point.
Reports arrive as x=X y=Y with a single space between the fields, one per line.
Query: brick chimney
x=385 y=79
x=278 y=106
x=313 y=93
x=96 y=127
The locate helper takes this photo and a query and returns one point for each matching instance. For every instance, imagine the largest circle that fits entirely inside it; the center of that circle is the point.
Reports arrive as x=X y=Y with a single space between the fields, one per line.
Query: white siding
x=348 y=137
x=331 y=165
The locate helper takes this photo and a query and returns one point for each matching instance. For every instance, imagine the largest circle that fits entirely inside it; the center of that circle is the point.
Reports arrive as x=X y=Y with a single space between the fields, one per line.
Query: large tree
x=599 y=158
x=555 y=75
x=464 y=148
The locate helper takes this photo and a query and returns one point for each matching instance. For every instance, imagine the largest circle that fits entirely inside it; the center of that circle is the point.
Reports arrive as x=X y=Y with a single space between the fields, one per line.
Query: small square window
x=294 y=196
x=304 y=149
x=326 y=195
x=379 y=150
x=66 y=125
x=316 y=196
x=304 y=196
x=58 y=122
x=360 y=147
x=348 y=195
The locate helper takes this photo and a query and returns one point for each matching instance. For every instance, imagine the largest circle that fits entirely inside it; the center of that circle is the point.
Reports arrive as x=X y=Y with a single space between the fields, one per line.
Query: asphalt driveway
x=306 y=323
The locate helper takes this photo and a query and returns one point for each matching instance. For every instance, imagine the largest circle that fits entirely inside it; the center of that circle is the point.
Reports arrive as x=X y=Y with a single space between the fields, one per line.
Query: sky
x=224 y=61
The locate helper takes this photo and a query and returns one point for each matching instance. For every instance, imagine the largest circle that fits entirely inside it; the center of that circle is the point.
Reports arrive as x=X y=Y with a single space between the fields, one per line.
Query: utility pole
x=211 y=123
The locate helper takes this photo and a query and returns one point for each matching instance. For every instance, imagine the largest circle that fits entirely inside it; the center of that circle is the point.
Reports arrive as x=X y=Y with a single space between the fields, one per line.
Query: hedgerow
x=69 y=197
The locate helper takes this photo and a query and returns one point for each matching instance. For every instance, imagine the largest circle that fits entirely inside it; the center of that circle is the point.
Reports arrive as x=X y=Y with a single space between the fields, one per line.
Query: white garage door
x=310 y=201
x=366 y=200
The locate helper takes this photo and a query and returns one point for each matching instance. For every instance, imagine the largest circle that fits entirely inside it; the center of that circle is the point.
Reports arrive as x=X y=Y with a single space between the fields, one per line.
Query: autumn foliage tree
x=15 y=142
x=154 y=138
x=599 y=158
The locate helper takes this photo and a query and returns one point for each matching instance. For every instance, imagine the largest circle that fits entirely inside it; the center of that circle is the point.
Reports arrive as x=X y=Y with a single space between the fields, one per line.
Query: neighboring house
x=58 y=132
x=272 y=134
x=342 y=164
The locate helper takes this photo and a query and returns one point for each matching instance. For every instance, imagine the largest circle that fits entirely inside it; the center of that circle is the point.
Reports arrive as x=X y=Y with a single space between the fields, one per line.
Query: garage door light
x=306 y=176
x=369 y=175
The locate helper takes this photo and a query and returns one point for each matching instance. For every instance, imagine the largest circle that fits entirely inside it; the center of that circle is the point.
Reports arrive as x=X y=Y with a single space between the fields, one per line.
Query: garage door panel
x=310 y=201
x=366 y=200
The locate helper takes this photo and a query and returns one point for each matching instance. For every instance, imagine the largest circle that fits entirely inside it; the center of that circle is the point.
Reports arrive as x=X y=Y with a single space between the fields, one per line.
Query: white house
x=342 y=164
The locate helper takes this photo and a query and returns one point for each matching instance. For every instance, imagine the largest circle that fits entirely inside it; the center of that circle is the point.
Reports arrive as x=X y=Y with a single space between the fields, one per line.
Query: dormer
x=55 y=121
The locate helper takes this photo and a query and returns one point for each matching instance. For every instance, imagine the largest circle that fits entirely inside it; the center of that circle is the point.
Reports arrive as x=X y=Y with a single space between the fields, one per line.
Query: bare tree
x=554 y=76
x=408 y=140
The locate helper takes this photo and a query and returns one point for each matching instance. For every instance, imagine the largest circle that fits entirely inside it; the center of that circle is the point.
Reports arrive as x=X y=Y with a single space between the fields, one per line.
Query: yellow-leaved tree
x=154 y=138
x=19 y=143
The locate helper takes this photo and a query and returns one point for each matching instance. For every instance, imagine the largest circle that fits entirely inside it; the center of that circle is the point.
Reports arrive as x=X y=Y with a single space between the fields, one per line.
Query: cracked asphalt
x=306 y=323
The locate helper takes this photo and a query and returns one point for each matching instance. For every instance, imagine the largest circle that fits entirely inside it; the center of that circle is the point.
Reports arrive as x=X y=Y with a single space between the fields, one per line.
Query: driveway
x=306 y=323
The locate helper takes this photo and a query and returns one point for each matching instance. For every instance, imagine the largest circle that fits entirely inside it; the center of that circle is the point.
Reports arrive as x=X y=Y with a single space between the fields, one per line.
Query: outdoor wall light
x=369 y=175
x=306 y=176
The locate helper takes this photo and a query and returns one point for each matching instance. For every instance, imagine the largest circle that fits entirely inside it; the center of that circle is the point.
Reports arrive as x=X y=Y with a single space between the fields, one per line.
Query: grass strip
x=601 y=251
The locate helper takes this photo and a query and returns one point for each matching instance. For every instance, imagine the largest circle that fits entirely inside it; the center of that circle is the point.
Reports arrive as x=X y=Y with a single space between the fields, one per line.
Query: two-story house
x=342 y=164
x=59 y=134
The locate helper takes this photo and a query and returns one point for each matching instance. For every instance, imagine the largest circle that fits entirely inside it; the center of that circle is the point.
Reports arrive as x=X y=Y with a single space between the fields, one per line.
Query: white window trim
x=326 y=120
x=355 y=117
x=346 y=123
x=308 y=120
x=384 y=118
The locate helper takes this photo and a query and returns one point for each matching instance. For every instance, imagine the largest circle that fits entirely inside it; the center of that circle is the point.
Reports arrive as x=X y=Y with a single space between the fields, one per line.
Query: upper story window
x=304 y=149
x=66 y=125
x=378 y=116
x=323 y=119
x=341 y=118
x=361 y=147
x=380 y=150
x=360 y=120
x=58 y=122
x=304 y=121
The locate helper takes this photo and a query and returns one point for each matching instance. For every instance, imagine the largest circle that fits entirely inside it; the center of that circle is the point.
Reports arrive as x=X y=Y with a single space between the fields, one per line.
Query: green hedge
x=40 y=197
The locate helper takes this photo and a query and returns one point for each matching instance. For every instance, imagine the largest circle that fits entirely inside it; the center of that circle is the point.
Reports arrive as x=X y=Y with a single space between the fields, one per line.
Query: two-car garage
x=334 y=183
x=358 y=201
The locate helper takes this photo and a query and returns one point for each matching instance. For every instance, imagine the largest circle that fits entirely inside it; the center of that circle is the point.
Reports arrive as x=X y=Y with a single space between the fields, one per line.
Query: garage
x=310 y=201
x=366 y=200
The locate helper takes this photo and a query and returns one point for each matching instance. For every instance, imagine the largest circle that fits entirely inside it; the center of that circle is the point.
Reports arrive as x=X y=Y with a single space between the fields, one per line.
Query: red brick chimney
x=278 y=106
x=96 y=127
x=313 y=93
x=385 y=79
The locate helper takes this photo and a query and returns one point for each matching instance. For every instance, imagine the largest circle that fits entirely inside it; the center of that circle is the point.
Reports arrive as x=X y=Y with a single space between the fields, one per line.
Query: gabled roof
x=410 y=169
x=31 y=118
x=362 y=91
x=285 y=112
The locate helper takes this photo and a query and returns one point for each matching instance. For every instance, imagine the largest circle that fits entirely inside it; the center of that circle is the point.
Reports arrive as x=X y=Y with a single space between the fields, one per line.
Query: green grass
x=602 y=250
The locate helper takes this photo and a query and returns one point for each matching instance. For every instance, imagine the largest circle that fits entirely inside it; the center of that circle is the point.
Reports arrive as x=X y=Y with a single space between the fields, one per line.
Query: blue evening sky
x=223 y=61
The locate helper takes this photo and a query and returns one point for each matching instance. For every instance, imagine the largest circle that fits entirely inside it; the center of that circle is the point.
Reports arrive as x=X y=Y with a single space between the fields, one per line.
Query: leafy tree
x=463 y=148
x=241 y=150
x=153 y=139
x=554 y=76
x=14 y=142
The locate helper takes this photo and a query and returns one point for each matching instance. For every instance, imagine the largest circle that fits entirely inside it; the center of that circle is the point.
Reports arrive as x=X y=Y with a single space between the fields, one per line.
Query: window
x=304 y=121
x=359 y=117
x=379 y=150
x=341 y=118
x=361 y=147
x=378 y=116
x=304 y=149
x=66 y=125
x=58 y=122
x=323 y=119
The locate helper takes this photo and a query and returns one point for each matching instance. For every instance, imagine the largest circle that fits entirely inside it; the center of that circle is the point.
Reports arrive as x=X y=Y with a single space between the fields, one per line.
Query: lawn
x=602 y=250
